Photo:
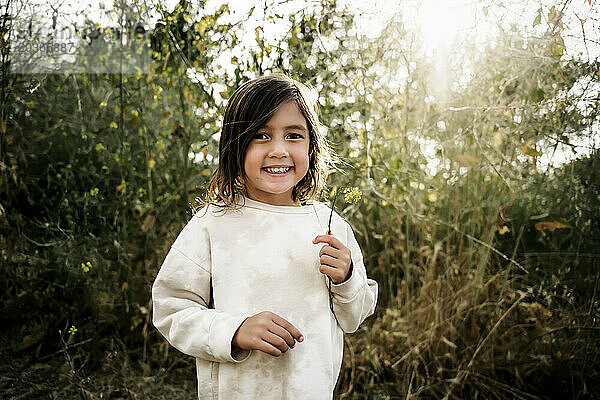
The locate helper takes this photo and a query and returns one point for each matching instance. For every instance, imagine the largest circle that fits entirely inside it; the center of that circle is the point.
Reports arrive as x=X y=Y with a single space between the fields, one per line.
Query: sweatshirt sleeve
x=355 y=299
x=180 y=298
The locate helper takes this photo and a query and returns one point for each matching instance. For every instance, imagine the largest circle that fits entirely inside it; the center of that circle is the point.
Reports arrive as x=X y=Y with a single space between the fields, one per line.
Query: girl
x=244 y=287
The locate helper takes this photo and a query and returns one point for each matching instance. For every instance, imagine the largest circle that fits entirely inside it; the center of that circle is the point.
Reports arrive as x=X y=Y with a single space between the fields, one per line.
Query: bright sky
x=439 y=24
x=438 y=21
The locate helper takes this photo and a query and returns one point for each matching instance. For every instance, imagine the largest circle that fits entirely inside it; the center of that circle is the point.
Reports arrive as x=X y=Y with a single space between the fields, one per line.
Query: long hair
x=249 y=108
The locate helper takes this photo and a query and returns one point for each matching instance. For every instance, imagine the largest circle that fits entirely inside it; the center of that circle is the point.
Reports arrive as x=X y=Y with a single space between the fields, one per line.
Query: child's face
x=281 y=144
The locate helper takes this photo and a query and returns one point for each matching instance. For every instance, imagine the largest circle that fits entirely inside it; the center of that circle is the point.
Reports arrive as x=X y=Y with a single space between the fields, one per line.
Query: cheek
x=307 y=159
x=306 y=167
x=249 y=160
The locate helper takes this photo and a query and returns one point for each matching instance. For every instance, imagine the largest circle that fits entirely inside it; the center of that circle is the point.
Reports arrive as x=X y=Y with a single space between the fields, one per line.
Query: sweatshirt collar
x=250 y=203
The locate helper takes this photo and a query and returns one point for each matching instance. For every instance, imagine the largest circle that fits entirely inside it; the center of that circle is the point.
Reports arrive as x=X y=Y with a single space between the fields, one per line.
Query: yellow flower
x=86 y=266
x=352 y=196
x=114 y=125
x=94 y=191
x=103 y=104
x=333 y=192
x=100 y=146
x=72 y=330
x=122 y=186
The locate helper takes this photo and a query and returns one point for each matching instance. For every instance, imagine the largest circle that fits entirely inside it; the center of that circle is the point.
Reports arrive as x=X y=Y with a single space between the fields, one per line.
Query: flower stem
x=337 y=192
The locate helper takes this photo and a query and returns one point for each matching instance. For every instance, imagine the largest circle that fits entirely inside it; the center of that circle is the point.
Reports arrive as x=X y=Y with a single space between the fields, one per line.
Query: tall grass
x=462 y=336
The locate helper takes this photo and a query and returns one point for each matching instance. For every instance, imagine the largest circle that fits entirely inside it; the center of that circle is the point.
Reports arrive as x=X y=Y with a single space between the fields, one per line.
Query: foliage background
x=488 y=266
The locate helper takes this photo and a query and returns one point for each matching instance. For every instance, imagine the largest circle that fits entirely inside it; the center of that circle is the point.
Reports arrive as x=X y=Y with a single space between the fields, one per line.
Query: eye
x=260 y=136
x=295 y=136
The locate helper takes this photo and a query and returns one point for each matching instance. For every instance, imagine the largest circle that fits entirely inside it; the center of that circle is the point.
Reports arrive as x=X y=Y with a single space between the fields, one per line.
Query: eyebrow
x=293 y=126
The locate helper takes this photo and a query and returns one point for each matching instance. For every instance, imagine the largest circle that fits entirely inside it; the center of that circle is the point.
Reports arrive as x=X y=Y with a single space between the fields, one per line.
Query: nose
x=278 y=149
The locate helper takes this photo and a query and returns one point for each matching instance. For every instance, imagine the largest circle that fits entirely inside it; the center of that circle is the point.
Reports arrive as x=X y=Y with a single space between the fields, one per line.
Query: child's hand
x=267 y=332
x=335 y=258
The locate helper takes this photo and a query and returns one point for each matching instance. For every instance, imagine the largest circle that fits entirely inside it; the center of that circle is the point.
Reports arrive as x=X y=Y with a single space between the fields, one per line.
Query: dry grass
x=462 y=337
x=25 y=376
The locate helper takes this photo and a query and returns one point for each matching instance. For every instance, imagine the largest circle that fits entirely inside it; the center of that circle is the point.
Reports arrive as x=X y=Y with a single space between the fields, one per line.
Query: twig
x=410 y=382
x=64 y=349
x=512 y=390
x=565 y=328
x=484 y=341
x=490 y=161
x=404 y=357
x=352 y=370
x=463 y=373
x=51 y=244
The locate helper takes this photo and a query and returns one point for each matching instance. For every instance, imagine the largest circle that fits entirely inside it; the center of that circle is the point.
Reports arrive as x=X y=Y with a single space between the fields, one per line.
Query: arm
x=354 y=295
x=354 y=299
x=180 y=296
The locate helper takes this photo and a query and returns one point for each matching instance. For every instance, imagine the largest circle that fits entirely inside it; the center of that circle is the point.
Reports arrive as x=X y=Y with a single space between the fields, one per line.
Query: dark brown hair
x=249 y=108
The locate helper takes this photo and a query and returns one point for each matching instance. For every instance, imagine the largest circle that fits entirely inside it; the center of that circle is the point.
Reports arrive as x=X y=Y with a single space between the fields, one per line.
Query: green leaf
x=558 y=46
x=538 y=18
x=537 y=95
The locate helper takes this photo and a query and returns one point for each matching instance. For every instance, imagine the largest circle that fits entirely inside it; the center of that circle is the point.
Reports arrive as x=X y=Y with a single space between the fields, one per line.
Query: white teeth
x=278 y=170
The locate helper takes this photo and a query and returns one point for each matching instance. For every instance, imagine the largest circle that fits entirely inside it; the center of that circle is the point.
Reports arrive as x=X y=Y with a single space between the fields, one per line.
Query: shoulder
x=193 y=228
x=212 y=210
x=198 y=224
x=204 y=221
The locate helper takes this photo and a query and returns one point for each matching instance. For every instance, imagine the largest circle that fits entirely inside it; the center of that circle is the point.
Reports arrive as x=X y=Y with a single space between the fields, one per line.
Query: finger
x=334 y=273
x=329 y=239
x=268 y=348
x=331 y=261
x=288 y=327
x=332 y=251
x=276 y=341
x=335 y=258
x=282 y=333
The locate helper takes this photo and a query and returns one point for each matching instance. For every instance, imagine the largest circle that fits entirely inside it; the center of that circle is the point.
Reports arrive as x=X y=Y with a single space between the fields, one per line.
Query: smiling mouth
x=277 y=170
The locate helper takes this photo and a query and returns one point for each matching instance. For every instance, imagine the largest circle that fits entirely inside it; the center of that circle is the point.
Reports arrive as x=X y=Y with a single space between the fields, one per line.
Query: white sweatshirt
x=260 y=258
